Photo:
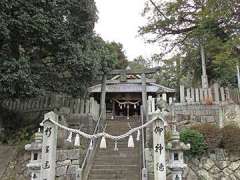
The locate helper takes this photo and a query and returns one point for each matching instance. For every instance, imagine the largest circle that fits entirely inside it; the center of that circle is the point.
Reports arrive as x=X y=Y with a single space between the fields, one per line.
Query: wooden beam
x=132 y=81
x=133 y=72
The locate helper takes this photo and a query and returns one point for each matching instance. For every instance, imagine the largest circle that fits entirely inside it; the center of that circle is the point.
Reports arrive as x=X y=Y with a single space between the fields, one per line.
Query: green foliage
x=122 y=61
x=50 y=46
x=196 y=140
x=17 y=129
x=170 y=73
x=139 y=63
x=230 y=139
x=211 y=133
x=183 y=25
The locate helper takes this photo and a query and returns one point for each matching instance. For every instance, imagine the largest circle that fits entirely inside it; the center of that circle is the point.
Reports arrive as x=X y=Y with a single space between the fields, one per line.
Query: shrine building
x=124 y=92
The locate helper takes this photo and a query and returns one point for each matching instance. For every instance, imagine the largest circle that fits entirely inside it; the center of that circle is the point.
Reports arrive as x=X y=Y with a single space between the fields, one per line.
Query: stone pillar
x=49 y=147
x=192 y=95
x=103 y=97
x=222 y=94
x=227 y=93
x=216 y=93
x=82 y=106
x=204 y=72
x=188 y=95
x=144 y=98
x=197 y=95
x=87 y=107
x=182 y=94
x=210 y=94
x=201 y=95
x=159 y=149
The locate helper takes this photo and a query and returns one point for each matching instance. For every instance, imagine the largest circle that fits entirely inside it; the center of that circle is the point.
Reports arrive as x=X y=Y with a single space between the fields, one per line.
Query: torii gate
x=124 y=73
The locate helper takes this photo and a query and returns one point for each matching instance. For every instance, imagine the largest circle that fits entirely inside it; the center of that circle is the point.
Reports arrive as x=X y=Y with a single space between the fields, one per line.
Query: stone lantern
x=176 y=160
x=34 y=166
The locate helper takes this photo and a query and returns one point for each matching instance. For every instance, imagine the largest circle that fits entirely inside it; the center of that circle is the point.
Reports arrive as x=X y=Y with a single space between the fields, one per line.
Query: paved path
x=6 y=155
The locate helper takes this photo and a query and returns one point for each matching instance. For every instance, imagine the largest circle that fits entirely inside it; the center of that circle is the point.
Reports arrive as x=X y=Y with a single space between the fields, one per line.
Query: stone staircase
x=124 y=164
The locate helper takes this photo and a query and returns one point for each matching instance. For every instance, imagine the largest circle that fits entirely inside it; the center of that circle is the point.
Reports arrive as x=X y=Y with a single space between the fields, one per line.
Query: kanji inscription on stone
x=49 y=147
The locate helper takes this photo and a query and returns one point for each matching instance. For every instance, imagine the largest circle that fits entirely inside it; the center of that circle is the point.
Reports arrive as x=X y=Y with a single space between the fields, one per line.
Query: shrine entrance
x=123 y=104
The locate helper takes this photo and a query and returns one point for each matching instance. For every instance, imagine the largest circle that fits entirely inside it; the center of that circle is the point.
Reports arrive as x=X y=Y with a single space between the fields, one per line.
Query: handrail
x=91 y=144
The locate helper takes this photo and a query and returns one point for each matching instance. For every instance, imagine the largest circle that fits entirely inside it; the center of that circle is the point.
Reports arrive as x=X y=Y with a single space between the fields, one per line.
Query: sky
x=119 y=21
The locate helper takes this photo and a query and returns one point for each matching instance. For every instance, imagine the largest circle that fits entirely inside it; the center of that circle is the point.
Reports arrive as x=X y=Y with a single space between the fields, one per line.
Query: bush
x=17 y=128
x=211 y=133
x=231 y=139
x=196 y=139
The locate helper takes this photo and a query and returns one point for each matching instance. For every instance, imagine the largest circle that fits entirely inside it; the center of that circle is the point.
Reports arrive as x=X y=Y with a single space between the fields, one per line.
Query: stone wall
x=189 y=114
x=215 y=166
x=67 y=162
x=231 y=114
x=16 y=168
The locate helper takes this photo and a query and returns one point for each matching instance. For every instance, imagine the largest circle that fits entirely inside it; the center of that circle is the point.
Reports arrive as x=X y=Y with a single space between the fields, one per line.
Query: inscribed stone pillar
x=49 y=147
x=182 y=94
x=82 y=106
x=216 y=93
x=197 y=94
x=87 y=107
x=201 y=95
x=159 y=150
x=210 y=93
x=192 y=95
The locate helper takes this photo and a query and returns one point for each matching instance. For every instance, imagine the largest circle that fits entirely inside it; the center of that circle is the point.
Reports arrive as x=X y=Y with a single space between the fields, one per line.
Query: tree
x=122 y=61
x=49 y=46
x=185 y=24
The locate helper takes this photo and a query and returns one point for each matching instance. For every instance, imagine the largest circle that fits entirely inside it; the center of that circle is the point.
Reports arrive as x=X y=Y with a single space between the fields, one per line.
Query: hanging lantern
x=130 y=142
x=138 y=135
x=103 y=144
x=69 y=139
x=115 y=146
x=120 y=106
x=135 y=106
x=77 y=140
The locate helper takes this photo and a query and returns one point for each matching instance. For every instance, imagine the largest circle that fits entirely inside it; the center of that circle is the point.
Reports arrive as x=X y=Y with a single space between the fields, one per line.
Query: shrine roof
x=130 y=86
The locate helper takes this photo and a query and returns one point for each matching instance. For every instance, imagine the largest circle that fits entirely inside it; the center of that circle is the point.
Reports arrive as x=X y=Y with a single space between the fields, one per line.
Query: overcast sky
x=119 y=21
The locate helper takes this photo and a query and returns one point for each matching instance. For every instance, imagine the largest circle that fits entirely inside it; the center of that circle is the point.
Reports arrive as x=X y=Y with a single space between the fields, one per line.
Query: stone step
x=123 y=164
